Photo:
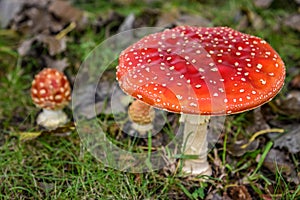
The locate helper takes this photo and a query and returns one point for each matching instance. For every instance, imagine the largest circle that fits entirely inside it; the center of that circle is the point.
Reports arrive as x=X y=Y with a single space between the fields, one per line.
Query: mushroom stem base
x=197 y=167
x=51 y=119
x=195 y=144
x=142 y=128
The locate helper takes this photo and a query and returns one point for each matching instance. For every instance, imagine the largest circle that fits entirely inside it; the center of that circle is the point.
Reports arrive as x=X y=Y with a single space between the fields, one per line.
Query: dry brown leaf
x=8 y=9
x=259 y=123
x=237 y=150
x=239 y=192
x=112 y=18
x=40 y=21
x=39 y=17
x=65 y=11
x=291 y=105
x=25 y=46
x=57 y=64
x=146 y=18
x=294 y=94
x=175 y=18
x=168 y=18
x=33 y=20
x=54 y=45
x=37 y=3
x=277 y=160
x=295 y=83
x=263 y=3
x=87 y=105
x=290 y=140
x=127 y=24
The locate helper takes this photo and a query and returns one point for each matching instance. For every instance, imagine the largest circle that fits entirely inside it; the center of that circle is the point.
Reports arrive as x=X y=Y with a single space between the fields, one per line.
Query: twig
x=273 y=130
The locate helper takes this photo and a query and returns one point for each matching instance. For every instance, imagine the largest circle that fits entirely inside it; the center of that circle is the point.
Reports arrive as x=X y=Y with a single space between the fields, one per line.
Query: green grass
x=53 y=167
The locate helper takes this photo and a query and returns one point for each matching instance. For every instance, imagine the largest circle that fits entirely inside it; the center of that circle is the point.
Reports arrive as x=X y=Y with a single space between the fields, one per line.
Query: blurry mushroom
x=200 y=72
x=51 y=91
x=141 y=115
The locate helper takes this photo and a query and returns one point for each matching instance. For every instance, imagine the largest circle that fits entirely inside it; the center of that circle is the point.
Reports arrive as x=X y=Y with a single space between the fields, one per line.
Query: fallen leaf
x=259 y=123
x=290 y=106
x=290 y=140
x=57 y=64
x=60 y=131
x=25 y=46
x=92 y=100
x=37 y=3
x=84 y=96
x=147 y=18
x=293 y=21
x=39 y=20
x=175 y=18
x=168 y=18
x=65 y=11
x=127 y=23
x=8 y=9
x=90 y=111
x=294 y=94
x=33 y=20
x=215 y=128
x=113 y=19
x=239 y=192
x=54 y=45
x=24 y=136
x=38 y=17
x=262 y=3
x=236 y=149
x=295 y=83
x=277 y=160
x=63 y=130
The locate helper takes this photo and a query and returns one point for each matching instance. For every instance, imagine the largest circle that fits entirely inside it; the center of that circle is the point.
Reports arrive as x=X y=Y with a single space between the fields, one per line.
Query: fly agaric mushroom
x=199 y=72
x=51 y=91
x=142 y=116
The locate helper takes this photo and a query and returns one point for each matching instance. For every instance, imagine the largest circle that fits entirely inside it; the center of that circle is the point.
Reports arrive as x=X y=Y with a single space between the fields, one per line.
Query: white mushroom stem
x=52 y=119
x=195 y=143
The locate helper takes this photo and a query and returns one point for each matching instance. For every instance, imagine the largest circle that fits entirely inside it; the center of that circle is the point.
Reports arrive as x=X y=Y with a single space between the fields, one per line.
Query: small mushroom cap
x=207 y=71
x=50 y=89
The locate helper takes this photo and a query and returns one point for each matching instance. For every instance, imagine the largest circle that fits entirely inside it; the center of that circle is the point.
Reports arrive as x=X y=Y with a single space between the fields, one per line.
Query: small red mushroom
x=200 y=72
x=51 y=91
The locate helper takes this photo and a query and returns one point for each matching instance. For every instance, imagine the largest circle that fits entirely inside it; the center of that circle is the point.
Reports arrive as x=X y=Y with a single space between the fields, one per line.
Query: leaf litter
x=45 y=23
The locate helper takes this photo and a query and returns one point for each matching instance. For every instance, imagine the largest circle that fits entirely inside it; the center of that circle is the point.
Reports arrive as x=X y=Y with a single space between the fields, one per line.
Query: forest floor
x=40 y=164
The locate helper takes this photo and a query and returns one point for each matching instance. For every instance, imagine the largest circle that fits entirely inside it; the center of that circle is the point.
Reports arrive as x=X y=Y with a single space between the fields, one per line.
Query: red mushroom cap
x=207 y=71
x=50 y=89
